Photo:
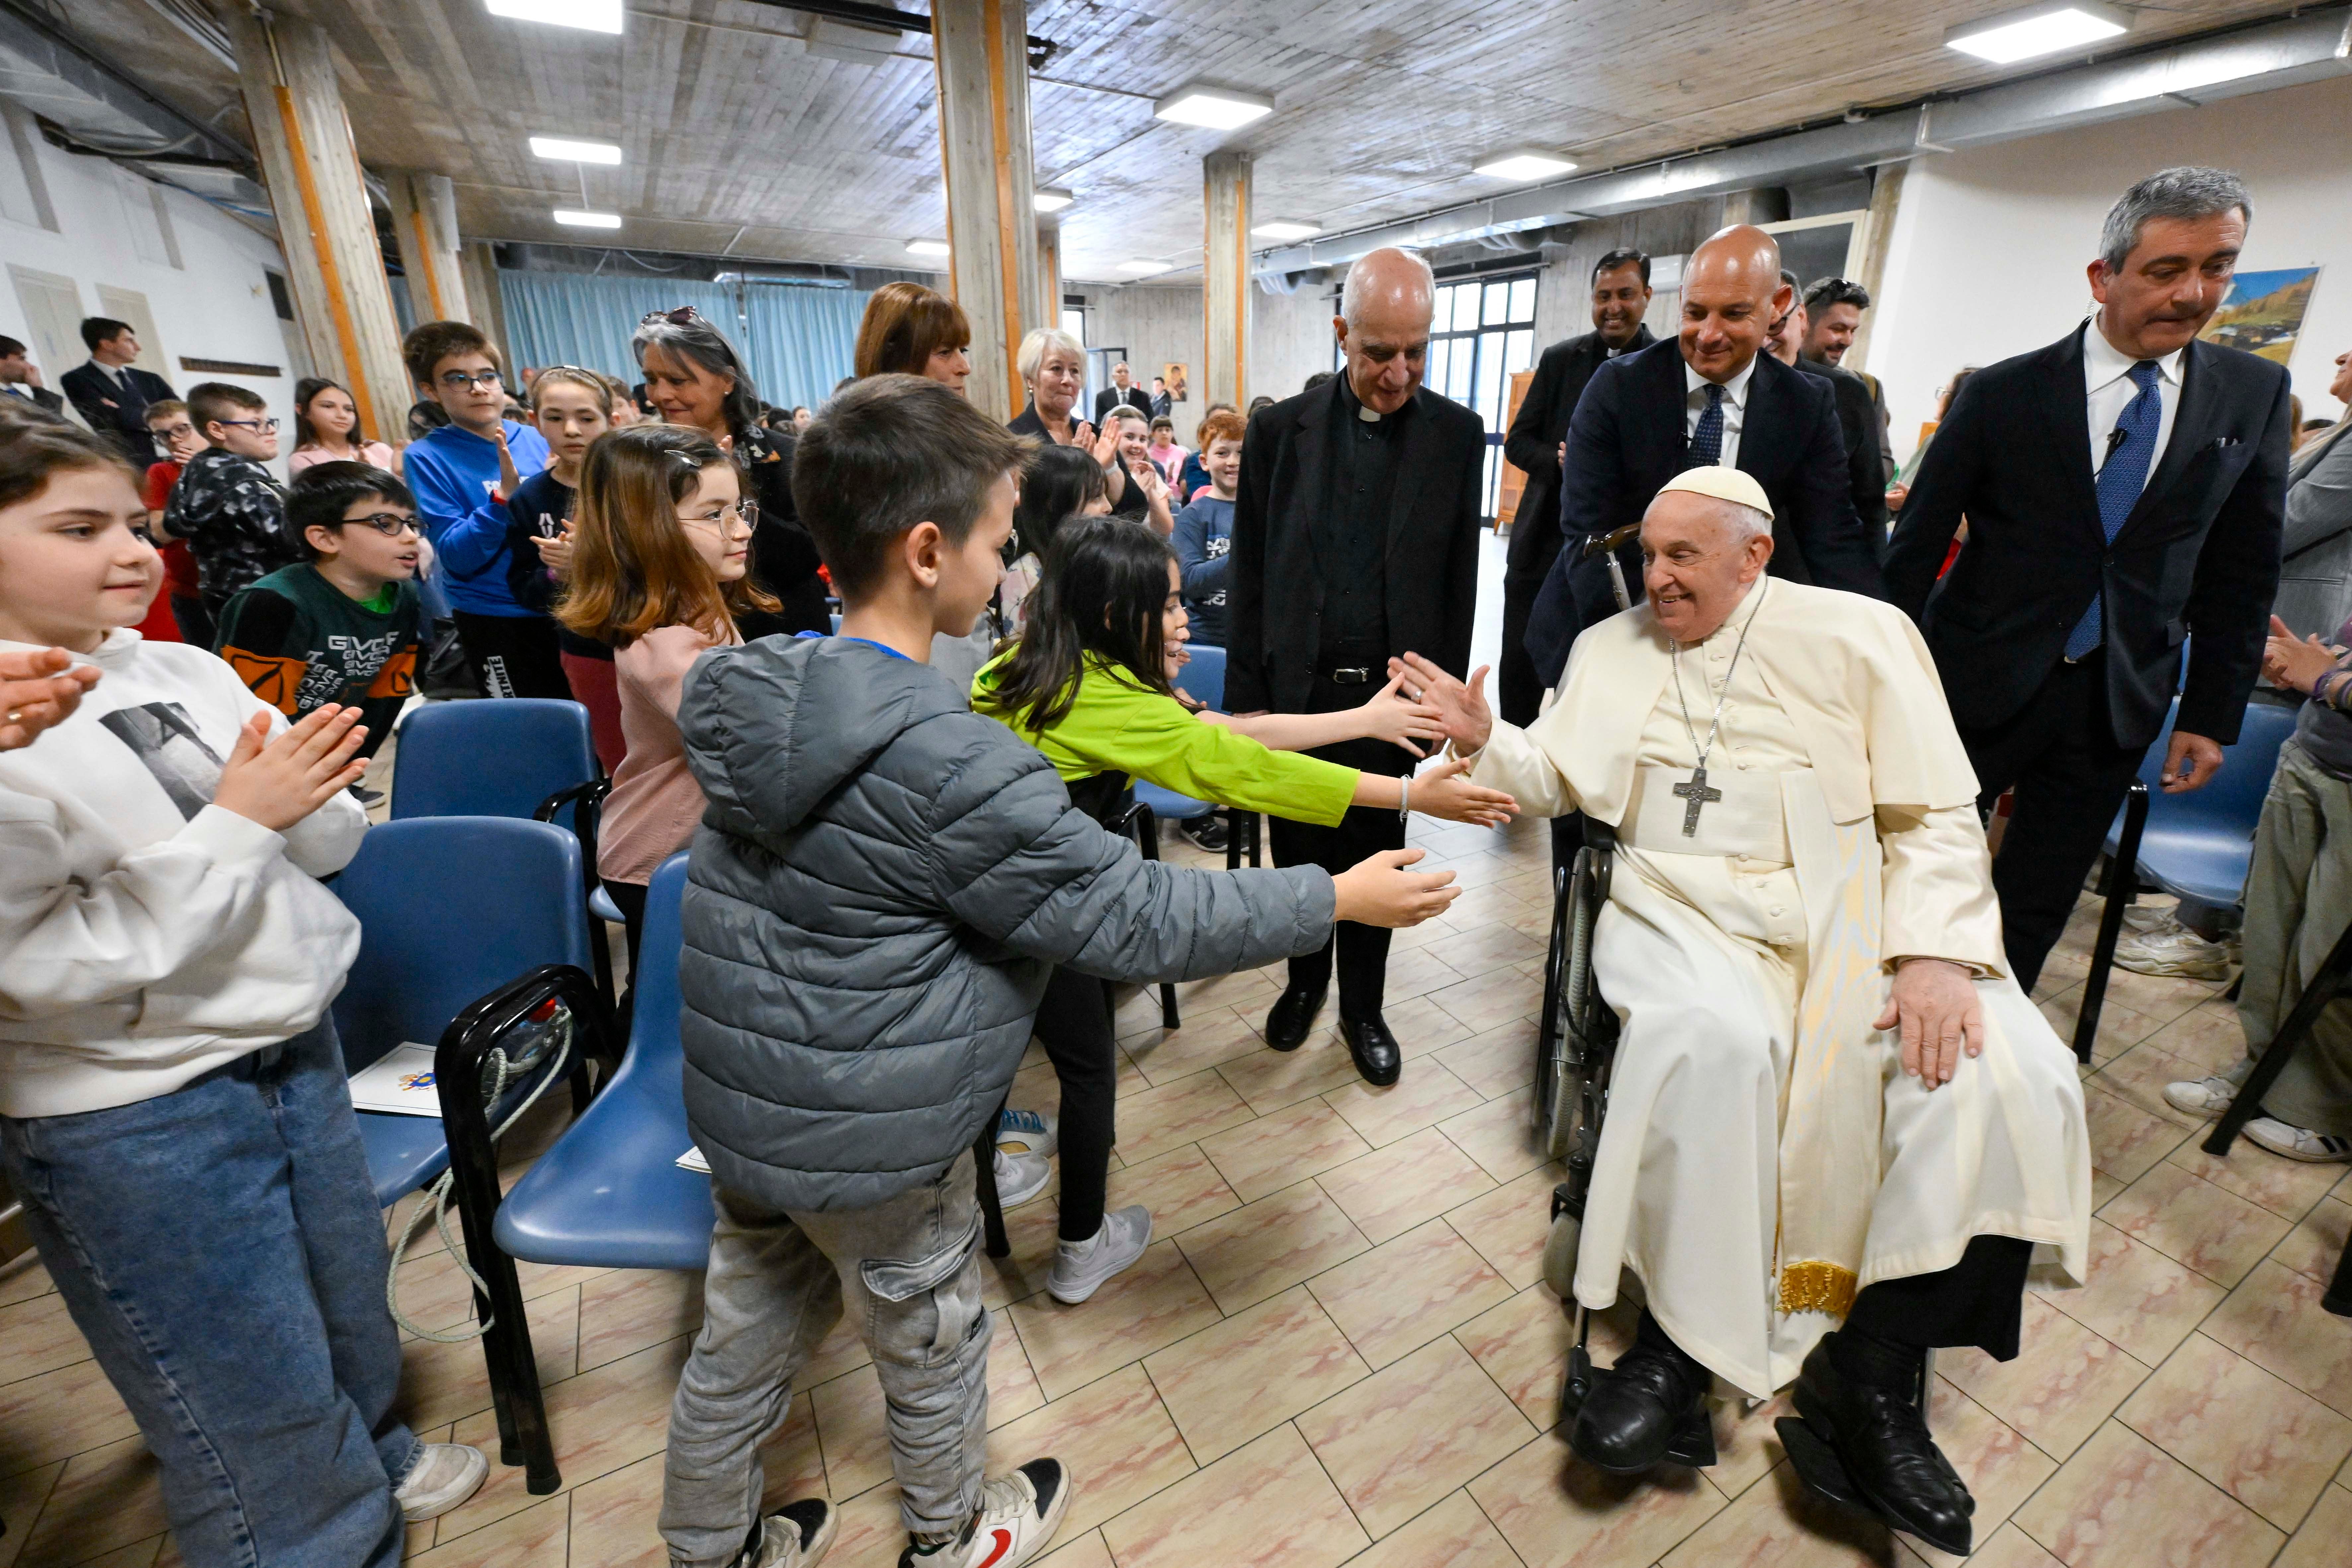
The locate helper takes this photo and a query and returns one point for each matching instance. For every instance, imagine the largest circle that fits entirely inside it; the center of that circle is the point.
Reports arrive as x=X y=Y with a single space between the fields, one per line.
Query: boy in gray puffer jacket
x=882 y=882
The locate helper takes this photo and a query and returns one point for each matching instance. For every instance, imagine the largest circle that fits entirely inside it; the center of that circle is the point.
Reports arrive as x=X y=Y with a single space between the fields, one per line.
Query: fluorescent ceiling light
x=1521 y=165
x=1285 y=228
x=563 y=150
x=2045 y=29
x=1145 y=269
x=571 y=219
x=1218 y=108
x=595 y=16
x=928 y=248
x=1050 y=200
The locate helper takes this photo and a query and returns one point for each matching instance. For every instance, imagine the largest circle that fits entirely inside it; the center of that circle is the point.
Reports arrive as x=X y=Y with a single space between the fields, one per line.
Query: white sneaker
x=796 y=1535
x=1018 y=1515
x=2170 y=948
x=1028 y=1133
x=2201 y=1097
x=2299 y=1142
x=1020 y=1177
x=445 y=1475
x=1080 y=1268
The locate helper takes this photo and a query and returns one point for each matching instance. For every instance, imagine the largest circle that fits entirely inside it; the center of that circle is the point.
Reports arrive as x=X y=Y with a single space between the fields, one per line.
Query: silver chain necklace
x=1694 y=792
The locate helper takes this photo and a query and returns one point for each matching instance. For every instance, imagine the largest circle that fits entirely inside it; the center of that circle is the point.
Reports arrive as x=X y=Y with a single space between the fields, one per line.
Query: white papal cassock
x=1764 y=1156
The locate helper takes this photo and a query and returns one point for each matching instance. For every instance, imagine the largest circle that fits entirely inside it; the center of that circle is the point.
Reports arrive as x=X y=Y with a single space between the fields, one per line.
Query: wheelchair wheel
x=1548 y=1023
x=1561 y=1090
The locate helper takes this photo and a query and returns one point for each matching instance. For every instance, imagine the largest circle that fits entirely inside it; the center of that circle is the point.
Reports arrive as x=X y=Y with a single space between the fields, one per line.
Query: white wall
x=215 y=305
x=1290 y=340
x=1989 y=245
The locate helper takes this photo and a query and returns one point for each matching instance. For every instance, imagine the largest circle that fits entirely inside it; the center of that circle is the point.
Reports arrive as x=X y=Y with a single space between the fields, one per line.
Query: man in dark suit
x=1122 y=389
x=1857 y=414
x=1709 y=396
x=1620 y=295
x=20 y=381
x=109 y=394
x=1834 y=307
x=1355 y=539
x=2123 y=489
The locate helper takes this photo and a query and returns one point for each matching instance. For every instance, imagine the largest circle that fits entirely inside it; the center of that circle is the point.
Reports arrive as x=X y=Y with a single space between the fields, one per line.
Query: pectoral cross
x=1695 y=793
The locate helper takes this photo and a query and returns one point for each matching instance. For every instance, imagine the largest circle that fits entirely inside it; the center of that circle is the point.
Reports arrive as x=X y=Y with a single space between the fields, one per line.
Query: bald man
x=1709 y=397
x=1355 y=539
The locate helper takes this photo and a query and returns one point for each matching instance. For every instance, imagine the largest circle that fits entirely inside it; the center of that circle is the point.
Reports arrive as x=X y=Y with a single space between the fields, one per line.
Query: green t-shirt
x=1118 y=724
x=299 y=643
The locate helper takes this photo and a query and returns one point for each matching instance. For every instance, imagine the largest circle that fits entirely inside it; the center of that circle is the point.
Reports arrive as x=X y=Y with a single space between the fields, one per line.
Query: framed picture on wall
x=2264 y=312
x=1174 y=375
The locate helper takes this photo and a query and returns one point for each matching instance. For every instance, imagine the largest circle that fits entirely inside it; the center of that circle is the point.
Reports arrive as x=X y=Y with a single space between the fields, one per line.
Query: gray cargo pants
x=907 y=1271
x=2298 y=901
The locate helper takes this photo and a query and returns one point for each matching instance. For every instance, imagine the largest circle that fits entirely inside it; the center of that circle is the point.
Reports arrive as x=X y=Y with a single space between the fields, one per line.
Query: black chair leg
x=2123 y=885
x=1233 y=839
x=2326 y=985
x=2338 y=1299
x=1146 y=838
x=992 y=1212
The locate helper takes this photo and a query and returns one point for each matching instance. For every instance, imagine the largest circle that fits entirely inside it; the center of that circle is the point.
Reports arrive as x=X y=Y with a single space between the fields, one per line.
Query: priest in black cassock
x=1355 y=538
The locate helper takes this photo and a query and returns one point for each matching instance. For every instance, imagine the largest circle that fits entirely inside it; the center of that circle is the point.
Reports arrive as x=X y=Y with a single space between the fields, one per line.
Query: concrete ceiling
x=738 y=142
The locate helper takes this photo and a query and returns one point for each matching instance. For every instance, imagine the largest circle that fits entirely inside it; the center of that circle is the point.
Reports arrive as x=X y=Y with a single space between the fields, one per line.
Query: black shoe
x=1648 y=1408
x=1206 y=833
x=1879 y=1439
x=1293 y=1015
x=1374 y=1049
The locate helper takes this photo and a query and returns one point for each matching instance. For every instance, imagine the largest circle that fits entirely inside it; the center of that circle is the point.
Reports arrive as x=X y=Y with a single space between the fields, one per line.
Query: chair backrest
x=2235 y=796
x=489 y=757
x=450 y=908
x=1204 y=678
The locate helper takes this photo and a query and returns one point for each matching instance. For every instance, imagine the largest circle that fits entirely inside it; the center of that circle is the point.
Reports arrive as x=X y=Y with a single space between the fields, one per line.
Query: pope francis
x=1837 y=1130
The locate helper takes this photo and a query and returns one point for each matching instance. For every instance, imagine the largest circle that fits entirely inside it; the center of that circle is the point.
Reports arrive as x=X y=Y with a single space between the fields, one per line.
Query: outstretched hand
x=1380 y=891
x=1469 y=722
x=1390 y=715
x=1443 y=791
x=1935 y=1002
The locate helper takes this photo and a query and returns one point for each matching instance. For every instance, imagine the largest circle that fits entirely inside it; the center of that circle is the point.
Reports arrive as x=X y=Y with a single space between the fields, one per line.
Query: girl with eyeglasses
x=661 y=544
x=694 y=375
x=326 y=429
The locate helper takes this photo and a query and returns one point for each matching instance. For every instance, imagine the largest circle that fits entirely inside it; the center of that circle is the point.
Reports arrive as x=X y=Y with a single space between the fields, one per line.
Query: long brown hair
x=633 y=567
x=905 y=325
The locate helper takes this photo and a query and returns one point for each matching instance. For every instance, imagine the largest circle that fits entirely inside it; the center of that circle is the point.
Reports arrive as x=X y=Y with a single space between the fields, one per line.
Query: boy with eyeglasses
x=340 y=624
x=462 y=474
x=229 y=509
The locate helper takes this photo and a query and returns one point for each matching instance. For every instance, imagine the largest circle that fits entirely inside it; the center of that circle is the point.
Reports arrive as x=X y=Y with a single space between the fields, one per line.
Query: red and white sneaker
x=1018 y=1515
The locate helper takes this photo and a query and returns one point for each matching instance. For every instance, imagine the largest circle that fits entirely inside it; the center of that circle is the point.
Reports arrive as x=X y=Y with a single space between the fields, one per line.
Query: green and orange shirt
x=298 y=642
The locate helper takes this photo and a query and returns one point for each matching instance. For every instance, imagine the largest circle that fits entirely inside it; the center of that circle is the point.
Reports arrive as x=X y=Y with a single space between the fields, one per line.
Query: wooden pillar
x=1049 y=275
x=1225 y=287
x=324 y=225
x=981 y=51
x=478 y=262
x=1886 y=197
x=425 y=223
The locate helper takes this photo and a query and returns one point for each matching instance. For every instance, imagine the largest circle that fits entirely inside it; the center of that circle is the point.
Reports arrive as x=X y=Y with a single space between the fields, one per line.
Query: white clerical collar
x=2103 y=362
x=1734 y=391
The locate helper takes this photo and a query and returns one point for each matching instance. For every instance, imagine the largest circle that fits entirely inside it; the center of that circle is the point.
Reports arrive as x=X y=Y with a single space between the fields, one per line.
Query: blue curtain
x=797 y=341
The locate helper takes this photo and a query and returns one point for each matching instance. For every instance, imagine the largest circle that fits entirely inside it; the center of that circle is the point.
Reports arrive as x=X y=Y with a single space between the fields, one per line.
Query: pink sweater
x=655 y=804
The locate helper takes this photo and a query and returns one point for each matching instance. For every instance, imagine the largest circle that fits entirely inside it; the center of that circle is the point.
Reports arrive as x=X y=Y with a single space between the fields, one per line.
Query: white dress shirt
x=2107 y=382
x=1735 y=408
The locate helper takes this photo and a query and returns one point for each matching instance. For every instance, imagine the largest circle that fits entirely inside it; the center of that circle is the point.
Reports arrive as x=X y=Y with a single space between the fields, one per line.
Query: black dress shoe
x=1648 y=1408
x=1879 y=1435
x=1293 y=1015
x=1374 y=1049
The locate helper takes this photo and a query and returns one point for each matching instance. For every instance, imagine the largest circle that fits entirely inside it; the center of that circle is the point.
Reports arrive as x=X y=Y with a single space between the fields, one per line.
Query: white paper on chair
x=694 y=1160
x=400 y=1083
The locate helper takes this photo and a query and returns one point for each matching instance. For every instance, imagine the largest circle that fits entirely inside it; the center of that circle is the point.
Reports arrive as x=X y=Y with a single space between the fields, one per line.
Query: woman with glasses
x=326 y=429
x=694 y=375
x=660 y=544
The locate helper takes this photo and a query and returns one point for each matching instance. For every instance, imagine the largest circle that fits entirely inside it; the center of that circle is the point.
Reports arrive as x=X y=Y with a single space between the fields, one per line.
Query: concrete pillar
x=982 y=52
x=1885 y=197
x=324 y=225
x=425 y=224
x=1049 y=274
x=478 y=263
x=1225 y=287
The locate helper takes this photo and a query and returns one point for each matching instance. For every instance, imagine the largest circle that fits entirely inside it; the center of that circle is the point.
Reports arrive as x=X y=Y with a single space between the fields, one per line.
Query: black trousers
x=2061 y=755
x=1518 y=691
x=1980 y=1301
x=1362 y=950
x=1074 y=1024
x=512 y=656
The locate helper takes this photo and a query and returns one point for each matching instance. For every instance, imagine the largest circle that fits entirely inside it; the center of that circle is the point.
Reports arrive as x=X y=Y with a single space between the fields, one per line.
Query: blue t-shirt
x=454 y=475
x=1204 y=543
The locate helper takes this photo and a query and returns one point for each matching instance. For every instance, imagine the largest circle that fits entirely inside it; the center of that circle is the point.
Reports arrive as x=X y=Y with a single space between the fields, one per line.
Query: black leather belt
x=1351 y=675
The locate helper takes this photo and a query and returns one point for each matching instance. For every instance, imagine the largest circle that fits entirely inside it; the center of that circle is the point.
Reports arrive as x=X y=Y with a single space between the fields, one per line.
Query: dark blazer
x=106 y=409
x=1533 y=445
x=1274 y=592
x=2199 y=553
x=42 y=398
x=1110 y=397
x=1627 y=439
x=1857 y=411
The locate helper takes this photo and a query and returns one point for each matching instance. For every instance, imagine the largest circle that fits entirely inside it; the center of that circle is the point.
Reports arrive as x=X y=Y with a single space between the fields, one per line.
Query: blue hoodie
x=454 y=475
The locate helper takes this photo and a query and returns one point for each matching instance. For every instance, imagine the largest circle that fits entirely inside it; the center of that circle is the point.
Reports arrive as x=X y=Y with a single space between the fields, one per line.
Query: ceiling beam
x=864 y=16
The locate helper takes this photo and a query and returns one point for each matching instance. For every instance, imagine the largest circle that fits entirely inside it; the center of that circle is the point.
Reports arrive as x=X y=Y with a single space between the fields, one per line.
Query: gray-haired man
x=2123 y=488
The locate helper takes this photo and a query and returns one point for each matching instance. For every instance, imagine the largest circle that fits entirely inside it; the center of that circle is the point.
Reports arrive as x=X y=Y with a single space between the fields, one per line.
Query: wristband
x=1404 y=796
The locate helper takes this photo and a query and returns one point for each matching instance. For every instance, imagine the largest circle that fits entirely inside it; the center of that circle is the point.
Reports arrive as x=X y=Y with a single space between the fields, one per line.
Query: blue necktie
x=1707 y=441
x=2121 y=479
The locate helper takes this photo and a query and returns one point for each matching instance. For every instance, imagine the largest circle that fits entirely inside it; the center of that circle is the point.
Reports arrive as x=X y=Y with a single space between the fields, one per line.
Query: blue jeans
x=222 y=1250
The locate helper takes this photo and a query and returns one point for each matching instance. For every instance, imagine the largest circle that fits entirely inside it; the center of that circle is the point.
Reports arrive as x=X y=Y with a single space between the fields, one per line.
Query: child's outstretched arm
x=1387 y=715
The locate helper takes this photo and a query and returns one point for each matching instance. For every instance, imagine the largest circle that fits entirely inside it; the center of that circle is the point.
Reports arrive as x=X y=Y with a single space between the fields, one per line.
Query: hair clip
x=677 y=318
x=688 y=459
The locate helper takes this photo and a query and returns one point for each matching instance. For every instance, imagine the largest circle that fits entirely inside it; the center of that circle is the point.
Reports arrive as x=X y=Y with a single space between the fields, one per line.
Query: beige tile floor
x=1337 y=1350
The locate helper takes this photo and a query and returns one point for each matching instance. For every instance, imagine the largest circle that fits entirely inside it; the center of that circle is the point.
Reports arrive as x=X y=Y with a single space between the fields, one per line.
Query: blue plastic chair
x=2196 y=847
x=450 y=909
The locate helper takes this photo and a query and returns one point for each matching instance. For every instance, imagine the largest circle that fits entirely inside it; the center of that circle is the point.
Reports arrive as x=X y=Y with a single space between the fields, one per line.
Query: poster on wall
x=2264 y=312
x=1173 y=374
